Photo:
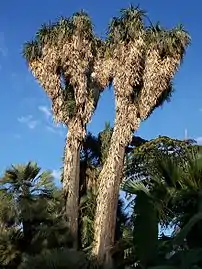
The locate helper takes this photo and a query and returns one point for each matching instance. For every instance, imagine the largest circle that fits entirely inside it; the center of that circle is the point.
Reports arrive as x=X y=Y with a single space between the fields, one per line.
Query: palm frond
x=168 y=42
x=8 y=212
x=134 y=187
x=127 y=26
x=83 y=24
x=10 y=251
x=32 y=51
x=47 y=34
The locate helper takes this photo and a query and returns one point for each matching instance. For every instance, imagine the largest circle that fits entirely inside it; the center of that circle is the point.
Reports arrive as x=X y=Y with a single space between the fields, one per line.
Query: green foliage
x=142 y=158
x=105 y=138
x=33 y=231
x=127 y=26
x=56 y=258
x=87 y=213
x=145 y=219
x=58 y=32
x=31 y=218
x=83 y=24
x=69 y=100
x=10 y=247
x=170 y=195
x=145 y=229
x=167 y=42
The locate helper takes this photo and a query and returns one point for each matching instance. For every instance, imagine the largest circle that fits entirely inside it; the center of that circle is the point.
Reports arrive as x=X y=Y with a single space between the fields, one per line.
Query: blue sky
x=27 y=131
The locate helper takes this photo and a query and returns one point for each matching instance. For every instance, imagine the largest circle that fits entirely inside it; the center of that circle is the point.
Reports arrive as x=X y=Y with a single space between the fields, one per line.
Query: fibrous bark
x=156 y=79
x=110 y=179
x=44 y=70
x=141 y=77
x=71 y=170
x=127 y=66
x=72 y=59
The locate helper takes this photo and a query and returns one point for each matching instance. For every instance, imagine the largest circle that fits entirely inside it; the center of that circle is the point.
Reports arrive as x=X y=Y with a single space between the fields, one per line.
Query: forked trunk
x=107 y=200
x=71 y=181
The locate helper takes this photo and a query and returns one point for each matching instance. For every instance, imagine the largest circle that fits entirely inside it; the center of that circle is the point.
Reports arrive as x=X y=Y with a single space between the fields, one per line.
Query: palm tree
x=145 y=60
x=31 y=214
x=68 y=60
x=170 y=196
x=21 y=189
x=186 y=203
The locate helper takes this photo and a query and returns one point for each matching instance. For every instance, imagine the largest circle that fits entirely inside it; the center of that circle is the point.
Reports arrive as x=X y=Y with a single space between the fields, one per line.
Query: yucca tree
x=68 y=60
x=145 y=60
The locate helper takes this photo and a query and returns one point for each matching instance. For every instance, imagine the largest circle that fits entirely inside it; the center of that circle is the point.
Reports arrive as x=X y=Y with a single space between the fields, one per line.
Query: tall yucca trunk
x=50 y=81
x=109 y=182
x=71 y=184
x=107 y=201
x=80 y=61
x=127 y=66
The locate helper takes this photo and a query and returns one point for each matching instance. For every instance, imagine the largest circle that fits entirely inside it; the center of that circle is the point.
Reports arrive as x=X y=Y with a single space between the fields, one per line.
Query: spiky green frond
x=179 y=39
x=64 y=29
x=51 y=34
x=134 y=187
x=82 y=23
x=87 y=213
x=31 y=215
x=47 y=34
x=126 y=27
x=27 y=190
x=58 y=32
x=27 y=179
x=167 y=42
x=32 y=51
